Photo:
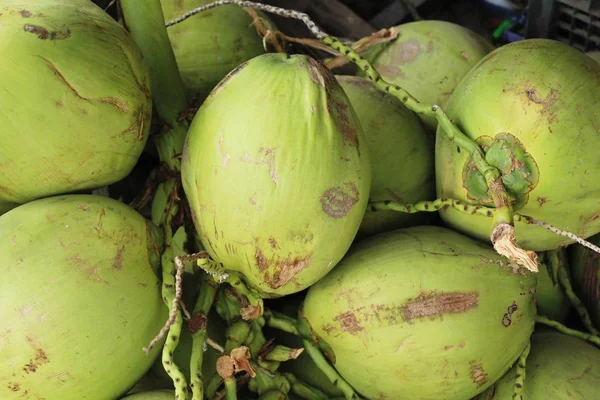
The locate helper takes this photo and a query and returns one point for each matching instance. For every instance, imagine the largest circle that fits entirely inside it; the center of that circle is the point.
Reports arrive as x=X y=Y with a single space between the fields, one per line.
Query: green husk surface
x=81 y=298
x=278 y=191
x=74 y=97
x=422 y=313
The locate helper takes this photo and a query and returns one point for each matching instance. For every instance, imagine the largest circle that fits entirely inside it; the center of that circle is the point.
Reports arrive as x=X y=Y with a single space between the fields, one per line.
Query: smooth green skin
x=585 y=276
x=550 y=298
x=210 y=44
x=397 y=142
x=75 y=110
x=80 y=298
x=276 y=173
x=559 y=367
x=388 y=315
x=152 y=395
x=429 y=59
x=503 y=94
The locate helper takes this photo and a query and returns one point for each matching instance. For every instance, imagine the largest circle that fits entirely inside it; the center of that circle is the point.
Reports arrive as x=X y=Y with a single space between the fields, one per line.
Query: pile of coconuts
x=427 y=228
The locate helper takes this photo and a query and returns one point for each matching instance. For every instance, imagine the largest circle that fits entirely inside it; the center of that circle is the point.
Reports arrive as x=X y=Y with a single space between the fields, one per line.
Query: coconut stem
x=333 y=376
x=556 y=263
x=282 y=353
x=519 y=385
x=303 y=390
x=282 y=322
x=230 y=389
x=197 y=328
x=593 y=339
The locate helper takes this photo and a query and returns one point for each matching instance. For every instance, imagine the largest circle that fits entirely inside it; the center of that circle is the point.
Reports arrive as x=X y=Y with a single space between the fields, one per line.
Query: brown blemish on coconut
x=118 y=260
x=285 y=269
x=40 y=358
x=507 y=317
x=273 y=242
x=407 y=52
x=542 y=200
x=261 y=260
x=116 y=103
x=44 y=34
x=26 y=14
x=478 y=374
x=14 y=386
x=338 y=201
x=227 y=77
x=348 y=323
x=346 y=125
x=319 y=74
x=433 y=304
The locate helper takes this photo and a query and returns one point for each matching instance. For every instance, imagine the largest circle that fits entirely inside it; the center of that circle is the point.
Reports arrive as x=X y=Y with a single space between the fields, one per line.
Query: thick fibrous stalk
x=519 y=386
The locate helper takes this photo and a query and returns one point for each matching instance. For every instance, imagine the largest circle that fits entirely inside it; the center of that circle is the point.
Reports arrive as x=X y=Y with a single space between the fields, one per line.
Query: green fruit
x=80 y=298
x=74 y=97
x=422 y=313
x=549 y=296
x=276 y=173
x=429 y=59
x=585 y=276
x=152 y=395
x=532 y=106
x=558 y=367
x=400 y=150
x=210 y=44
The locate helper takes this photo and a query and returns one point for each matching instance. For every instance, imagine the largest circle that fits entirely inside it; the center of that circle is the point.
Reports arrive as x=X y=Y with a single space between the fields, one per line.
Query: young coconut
x=422 y=313
x=397 y=141
x=81 y=300
x=75 y=100
x=210 y=45
x=428 y=59
x=532 y=107
x=276 y=173
x=558 y=367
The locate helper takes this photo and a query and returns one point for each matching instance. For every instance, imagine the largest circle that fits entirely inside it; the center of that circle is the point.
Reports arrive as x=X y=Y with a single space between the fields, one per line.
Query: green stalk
x=565 y=282
x=519 y=385
x=333 y=376
x=197 y=325
x=145 y=21
x=303 y=390
x=592 y=339
x=431 y=206
x=230 y=389
x=281 y=321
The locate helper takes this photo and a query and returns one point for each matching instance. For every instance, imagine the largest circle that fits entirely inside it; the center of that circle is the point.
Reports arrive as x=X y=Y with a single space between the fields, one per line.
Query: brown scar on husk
x=26 y=14
x=118 y=260
x=407 y=52
x=36 y=362
x=226 y=79
x=338 y=201
x=44 y=34
x=433 y=304
x=348 y=323
x=116 y=103
x=14 y=386
x=478 y=374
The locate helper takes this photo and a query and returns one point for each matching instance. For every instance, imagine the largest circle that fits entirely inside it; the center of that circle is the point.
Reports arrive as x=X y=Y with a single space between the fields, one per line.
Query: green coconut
x=74 y=97
x=276 y=173
x=80 y=300
x=397 y=141
x=422 y=313
x=429 y=59
x=558 y=367
x=151 y=395
x=532 y=107
x=210 y=44
x=585 y=274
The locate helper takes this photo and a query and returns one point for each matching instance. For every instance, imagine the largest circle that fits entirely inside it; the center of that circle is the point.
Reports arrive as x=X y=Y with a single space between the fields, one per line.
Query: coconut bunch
x=425 y=229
